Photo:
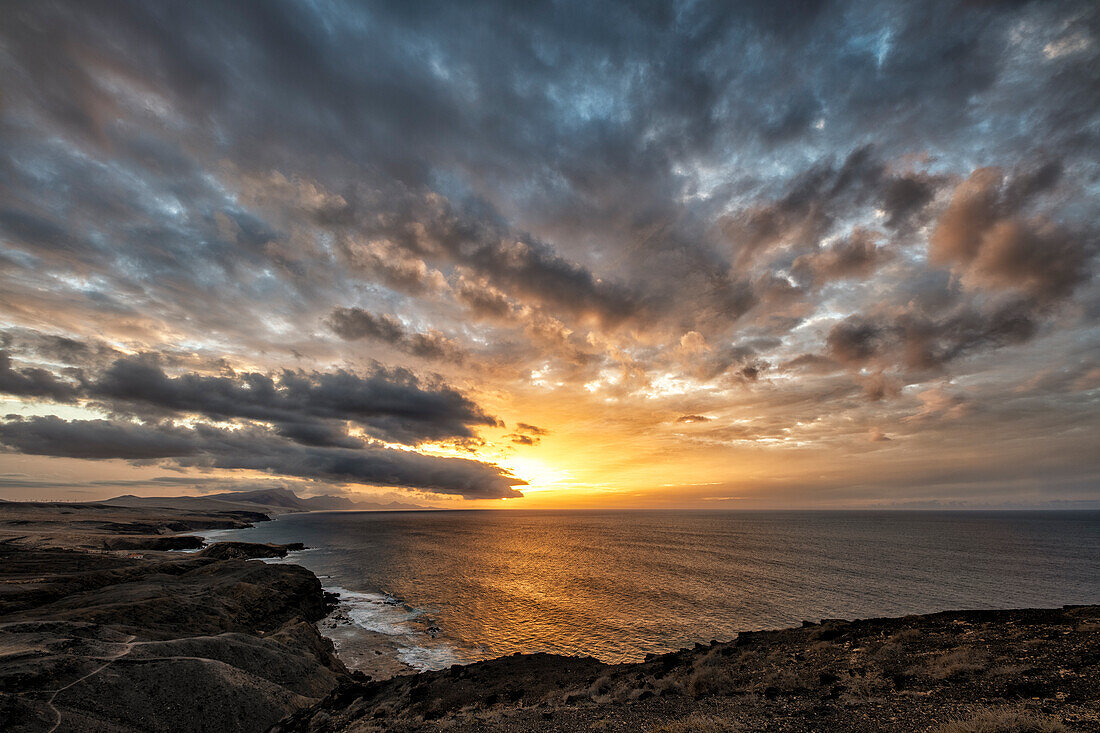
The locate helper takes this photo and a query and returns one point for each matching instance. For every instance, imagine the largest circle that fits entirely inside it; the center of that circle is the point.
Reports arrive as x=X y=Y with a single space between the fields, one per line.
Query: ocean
x=460 y=586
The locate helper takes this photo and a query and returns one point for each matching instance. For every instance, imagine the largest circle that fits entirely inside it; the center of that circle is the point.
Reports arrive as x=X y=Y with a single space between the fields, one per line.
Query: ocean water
x=456 y=587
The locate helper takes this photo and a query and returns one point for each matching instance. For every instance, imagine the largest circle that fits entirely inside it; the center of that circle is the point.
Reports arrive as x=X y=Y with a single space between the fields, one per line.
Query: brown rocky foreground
x=101 y=639
x=101 y=629
x=98 y=642
x=1022 y=670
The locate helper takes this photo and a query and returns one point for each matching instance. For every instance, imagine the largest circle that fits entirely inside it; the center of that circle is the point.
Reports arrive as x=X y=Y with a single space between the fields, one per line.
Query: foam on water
x=377 y=612
x=424 y=658
x=291 y=557
x=412 y=630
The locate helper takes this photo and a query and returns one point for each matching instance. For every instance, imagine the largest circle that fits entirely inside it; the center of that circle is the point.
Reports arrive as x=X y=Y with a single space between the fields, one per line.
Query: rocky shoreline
x=1019 y=670
x=103 y=630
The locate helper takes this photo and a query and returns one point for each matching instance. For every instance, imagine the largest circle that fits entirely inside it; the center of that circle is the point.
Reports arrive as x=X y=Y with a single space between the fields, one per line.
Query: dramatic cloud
x=309 y=414
x=352 y=324
x=255 y=450
x=921 y=341
x=857 y=255
x=389 y=404
x=984 y=237
x=32 y=382
x=346 y=242
x=95 y=439
x=527 y=434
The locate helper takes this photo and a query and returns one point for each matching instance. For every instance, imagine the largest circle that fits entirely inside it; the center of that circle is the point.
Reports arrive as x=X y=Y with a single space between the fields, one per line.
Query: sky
x=550 y=255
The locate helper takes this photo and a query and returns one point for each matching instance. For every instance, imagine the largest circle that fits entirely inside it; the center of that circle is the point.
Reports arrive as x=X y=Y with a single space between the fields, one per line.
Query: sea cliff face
x=155 y=641
x=97 y=642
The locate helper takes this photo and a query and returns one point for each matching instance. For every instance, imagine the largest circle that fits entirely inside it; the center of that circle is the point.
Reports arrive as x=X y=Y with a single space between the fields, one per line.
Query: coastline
x=1023 y=670
x=372 y=632
x=121 y=640
x=369 y=652
x=121 y=636
x=666 y=692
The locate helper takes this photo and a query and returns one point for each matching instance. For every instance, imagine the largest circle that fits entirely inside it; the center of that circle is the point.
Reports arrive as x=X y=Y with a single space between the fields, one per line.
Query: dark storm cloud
x=388 y=404
x=904 y=197
x=254 y=449
x=484 y=301
x=310 y=407
x=74 y=354
x=33 y=382
x=917 y=340
x=474 y=237
x=709 y=364
x=352 y=324
x=95 y=439
x=814 y=206
x=429 y=142
x=309 y=414
x=355 y=323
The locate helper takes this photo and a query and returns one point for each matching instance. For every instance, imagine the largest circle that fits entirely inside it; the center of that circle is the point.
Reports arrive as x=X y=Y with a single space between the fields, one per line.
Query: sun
x=539 y=475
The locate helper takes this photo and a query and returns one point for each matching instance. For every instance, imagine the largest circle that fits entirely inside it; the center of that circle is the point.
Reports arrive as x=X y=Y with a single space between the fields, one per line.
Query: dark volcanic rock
x=158 y=542
x=195 y=643
x=1017 y=668
x=105 y=526
x=247 y=550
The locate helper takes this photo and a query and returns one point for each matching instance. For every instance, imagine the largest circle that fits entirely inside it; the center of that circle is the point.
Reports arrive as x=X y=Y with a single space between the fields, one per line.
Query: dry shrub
x=892 y=658
x=904 y=635
x=666 y=686
x=697 y=724
x=866 y=684
x=600 y=690
x=609 y=690
x=955 y=663
x=1004 y=721
x=709 y=680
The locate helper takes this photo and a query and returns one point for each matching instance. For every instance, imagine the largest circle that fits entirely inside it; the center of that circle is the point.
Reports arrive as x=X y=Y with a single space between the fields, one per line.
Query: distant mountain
x=268 y=497
x=329 y=502
x=283 y=499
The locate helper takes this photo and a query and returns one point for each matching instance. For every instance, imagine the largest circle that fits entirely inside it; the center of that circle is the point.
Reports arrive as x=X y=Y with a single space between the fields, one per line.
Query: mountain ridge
x=276 y=498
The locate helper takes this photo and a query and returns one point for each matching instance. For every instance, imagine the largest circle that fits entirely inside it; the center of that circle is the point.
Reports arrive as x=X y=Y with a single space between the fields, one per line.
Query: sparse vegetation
x=863 y=685
x=956 y=663
x=903 y=636
x=710 y=680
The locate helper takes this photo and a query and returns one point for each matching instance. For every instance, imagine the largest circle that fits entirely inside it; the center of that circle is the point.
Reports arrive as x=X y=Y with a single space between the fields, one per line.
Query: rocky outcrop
x=249 y=550
x=109 y=527
x=918 y=673
x=154 y=542
x=92 y=641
